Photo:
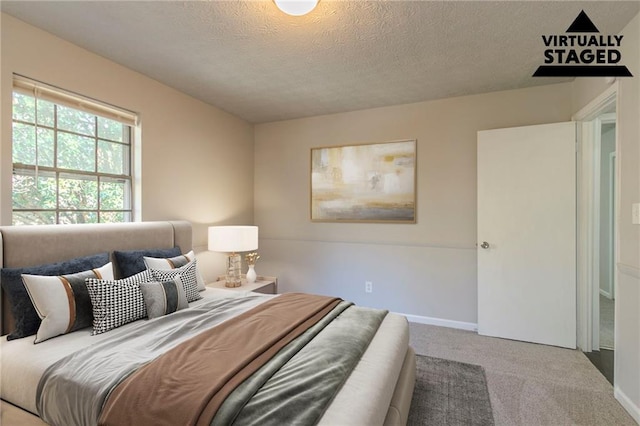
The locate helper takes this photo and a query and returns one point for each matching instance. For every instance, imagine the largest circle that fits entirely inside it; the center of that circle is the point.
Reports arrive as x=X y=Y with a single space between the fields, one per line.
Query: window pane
x=76 y=121
x=78 y=192
x=24 y=144
x=112 y=194
x=24 y=151
x=24 y=108
x=113 y=158
x=45 y=147
x=45 y=113
x=28 y=195
x=34 y=218
x=115 y=217
x=78 y=217
x=109 y=129
x=76 y=152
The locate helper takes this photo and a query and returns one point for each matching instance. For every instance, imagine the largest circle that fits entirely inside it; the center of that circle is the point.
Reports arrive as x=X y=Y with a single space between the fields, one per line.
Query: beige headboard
x=22 y=246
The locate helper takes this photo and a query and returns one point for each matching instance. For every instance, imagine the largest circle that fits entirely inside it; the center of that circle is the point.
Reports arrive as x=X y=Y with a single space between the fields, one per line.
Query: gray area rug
x=449 y=393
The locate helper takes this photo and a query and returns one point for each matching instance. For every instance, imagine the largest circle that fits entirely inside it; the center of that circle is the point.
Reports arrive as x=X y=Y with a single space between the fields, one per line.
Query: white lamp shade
x=233 y=239
x=296 y=7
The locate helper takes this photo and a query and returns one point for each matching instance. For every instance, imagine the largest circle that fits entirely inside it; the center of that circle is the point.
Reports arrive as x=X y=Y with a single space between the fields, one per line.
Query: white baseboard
x=441 y=322
x=628 y=405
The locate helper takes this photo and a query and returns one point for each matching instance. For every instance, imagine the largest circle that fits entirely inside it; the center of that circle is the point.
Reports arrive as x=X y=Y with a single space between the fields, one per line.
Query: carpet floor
x=529 y=384
x=449 y=393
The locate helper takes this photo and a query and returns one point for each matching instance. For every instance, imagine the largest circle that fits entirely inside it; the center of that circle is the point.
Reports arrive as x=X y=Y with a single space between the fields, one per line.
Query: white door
x=527 y=234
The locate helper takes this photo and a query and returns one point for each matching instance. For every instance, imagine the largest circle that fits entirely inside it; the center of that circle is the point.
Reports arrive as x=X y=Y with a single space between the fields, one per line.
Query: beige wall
x=629 y=134
x=426 y=269
x=627 y=362
x=196 y=159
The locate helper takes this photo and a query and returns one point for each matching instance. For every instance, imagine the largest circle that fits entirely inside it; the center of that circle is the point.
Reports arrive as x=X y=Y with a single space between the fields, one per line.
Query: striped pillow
x=164 y=298
x=63 y=302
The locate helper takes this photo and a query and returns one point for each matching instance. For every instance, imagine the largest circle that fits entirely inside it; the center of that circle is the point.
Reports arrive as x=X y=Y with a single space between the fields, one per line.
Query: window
x=71 y=158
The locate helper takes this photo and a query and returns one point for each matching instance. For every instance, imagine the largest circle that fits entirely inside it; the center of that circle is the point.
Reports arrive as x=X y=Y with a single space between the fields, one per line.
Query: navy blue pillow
x=131 y=262
x=25 y=315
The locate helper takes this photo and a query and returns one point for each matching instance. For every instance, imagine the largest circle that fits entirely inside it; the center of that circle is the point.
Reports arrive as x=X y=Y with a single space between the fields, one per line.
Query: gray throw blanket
x=298 y=385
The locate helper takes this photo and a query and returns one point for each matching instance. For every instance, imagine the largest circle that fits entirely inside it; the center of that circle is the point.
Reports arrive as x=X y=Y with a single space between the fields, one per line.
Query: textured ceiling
x=249 y=59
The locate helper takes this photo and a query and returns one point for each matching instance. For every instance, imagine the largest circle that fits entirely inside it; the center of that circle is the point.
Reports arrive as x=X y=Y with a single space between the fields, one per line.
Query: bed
x=377 y=390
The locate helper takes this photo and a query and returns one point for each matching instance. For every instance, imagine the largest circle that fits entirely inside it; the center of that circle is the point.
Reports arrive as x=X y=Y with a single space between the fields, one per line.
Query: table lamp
x=233 y=239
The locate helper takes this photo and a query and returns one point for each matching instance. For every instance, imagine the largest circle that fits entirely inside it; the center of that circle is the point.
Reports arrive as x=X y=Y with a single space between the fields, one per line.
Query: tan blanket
x=186 y=385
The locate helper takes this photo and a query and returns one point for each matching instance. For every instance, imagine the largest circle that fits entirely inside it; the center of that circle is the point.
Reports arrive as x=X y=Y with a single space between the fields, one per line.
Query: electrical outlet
x=368 y=287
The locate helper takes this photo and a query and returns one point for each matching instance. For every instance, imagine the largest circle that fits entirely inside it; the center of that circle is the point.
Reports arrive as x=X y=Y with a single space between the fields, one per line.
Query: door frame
x=612 y=222
x=610 y=291
x=588 y=149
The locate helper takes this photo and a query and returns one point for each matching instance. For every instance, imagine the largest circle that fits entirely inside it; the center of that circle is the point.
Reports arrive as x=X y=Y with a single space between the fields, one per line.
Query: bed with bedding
x=113 y=325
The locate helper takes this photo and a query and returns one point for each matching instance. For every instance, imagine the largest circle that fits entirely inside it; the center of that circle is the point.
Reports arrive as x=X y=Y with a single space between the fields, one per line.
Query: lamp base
x=233 y=278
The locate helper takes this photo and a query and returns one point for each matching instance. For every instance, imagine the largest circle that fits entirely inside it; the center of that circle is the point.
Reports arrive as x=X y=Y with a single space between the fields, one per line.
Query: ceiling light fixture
x=296 y=7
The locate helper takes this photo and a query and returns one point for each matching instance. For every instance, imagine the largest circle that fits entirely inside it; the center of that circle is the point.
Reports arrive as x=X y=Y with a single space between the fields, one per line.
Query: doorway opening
x=597 y=230
x=606 y=278
x=603 y=353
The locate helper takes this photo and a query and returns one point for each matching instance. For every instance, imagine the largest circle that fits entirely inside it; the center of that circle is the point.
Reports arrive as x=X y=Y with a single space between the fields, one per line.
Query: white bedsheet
x=364 y=398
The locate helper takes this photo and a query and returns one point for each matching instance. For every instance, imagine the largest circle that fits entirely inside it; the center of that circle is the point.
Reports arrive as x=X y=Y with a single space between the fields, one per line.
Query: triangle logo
x=582 y=24
x=582 y=55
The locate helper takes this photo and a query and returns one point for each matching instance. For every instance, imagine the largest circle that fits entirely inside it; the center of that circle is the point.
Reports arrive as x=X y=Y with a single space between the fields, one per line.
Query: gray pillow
x=131 y=262
x=26 y=318
x=163 y=298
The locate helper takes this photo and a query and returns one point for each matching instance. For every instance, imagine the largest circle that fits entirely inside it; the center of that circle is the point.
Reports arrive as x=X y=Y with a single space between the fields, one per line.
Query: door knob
x=484 y=245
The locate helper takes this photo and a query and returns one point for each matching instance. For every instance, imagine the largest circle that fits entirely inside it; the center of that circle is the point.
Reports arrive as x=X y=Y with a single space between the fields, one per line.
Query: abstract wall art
x=364 y=183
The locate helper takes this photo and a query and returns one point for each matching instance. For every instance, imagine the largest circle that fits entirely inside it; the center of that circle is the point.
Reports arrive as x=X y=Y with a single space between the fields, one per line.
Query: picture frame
x=366 y=183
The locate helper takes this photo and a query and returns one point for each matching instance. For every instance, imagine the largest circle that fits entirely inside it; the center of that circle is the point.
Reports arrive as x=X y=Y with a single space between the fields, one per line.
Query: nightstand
x=266 y=285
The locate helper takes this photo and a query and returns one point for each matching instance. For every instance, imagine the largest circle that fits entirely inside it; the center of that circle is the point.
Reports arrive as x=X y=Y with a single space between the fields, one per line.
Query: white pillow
x=63 y=302
x=173 y=263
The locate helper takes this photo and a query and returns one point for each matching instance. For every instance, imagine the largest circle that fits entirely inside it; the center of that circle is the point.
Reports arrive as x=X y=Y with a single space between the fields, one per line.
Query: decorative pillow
x=117 y=302
x=63 y=303
x=163 y=298
x=187 y=275
x=173 y=263
x=26 y=318
x=131 y=262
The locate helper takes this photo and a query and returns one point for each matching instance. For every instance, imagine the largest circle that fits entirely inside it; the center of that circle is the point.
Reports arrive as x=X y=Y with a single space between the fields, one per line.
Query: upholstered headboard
x=22 y=246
